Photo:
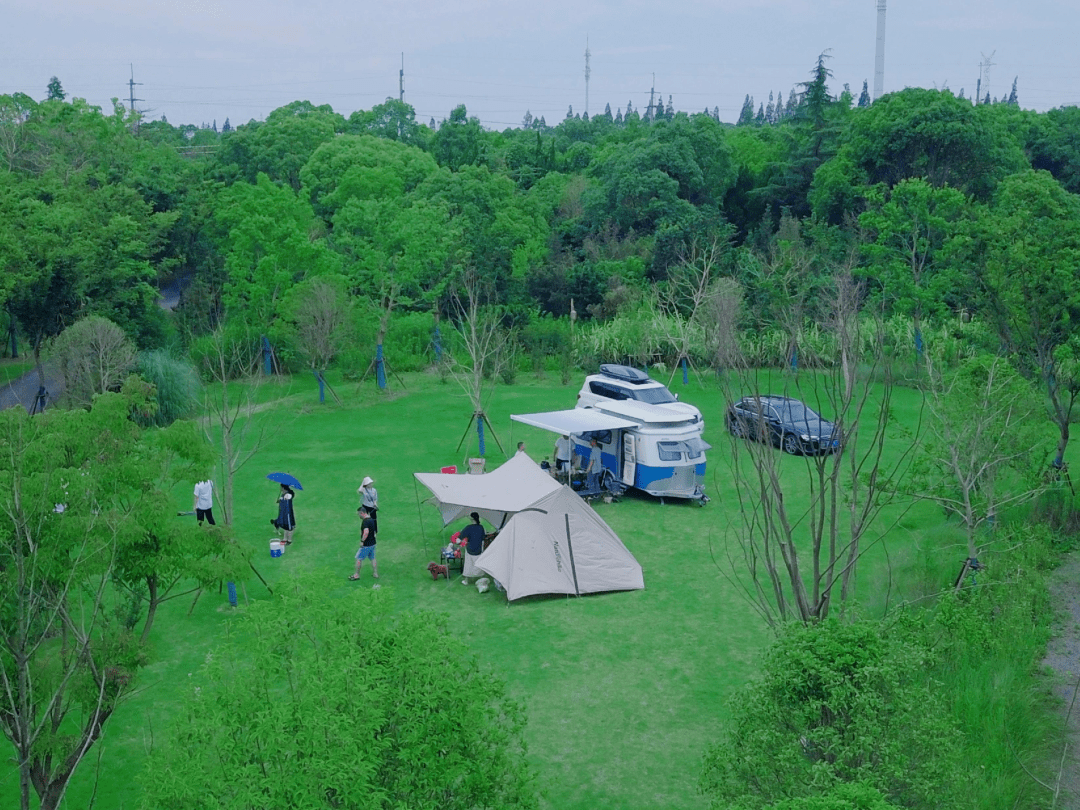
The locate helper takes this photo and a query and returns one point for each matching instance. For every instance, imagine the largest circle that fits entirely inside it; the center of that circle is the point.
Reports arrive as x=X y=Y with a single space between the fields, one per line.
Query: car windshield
x=654 y=396
x=798 y=413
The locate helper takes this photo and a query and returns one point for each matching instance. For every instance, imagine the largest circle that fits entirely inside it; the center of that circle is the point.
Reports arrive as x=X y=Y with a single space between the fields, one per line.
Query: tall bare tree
x=984 y=450
x=322 y=314
x=479 y=337
x=805 y=523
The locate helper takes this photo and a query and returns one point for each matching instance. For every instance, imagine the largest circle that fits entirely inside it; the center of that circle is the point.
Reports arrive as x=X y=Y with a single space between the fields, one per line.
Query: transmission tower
x=401 y=79
x=131 y=89
x=984 y=72
x=588 y=72
x=879 y=55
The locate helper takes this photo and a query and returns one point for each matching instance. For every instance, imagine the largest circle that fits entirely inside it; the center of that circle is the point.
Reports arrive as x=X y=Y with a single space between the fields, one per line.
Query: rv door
x=629 y=458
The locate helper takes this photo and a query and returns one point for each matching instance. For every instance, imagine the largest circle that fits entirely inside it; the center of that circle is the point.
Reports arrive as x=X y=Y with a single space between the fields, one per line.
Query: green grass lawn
x=623 y=691
x=13 y=369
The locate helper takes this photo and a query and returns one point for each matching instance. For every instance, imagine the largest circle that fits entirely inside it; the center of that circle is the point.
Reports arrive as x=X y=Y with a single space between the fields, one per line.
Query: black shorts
x=561 y=464
x=205 y=514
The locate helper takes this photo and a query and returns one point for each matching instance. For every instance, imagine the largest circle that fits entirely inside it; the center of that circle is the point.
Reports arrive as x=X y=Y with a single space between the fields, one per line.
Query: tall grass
x=177 y=385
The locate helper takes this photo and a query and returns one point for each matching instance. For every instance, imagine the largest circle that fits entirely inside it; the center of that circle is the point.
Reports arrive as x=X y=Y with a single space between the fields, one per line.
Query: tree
x=1029 y=243
x=864 y=96
x=56 y=90
x=322 y=315
x=95 y=356
x=983 y=426
x=79 y=492
x=911 y=227
x=401 y=717
x=459 y=142
x=229 y=358
x=482 y=342
x=803 y=561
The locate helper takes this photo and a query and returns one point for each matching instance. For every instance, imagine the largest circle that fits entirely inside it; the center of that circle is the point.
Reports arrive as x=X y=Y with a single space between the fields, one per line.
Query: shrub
x=838 y=703
x=342 y=702
x=176 y=385
x=95 y=356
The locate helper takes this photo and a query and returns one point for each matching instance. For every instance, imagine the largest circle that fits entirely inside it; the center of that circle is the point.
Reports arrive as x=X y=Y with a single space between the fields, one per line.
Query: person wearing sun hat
x=369 y=498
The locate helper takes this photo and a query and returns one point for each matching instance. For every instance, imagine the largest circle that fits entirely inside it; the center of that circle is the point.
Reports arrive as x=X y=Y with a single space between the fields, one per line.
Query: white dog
x=482 y=584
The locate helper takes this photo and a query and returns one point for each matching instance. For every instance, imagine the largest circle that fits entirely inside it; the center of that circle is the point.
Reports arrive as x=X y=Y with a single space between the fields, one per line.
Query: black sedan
x=785 y=422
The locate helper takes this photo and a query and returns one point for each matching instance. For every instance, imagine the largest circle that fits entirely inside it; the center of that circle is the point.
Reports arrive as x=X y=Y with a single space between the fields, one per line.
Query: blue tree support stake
x=380 y=373
x=685 y=380
x=795 y=358
x=438 y=344
x=232 y=594
x=918 y=342
x=322 y=385
x=480 y=431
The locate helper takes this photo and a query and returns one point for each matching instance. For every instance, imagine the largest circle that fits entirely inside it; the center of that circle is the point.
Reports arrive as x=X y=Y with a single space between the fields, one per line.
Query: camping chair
x=476 y=465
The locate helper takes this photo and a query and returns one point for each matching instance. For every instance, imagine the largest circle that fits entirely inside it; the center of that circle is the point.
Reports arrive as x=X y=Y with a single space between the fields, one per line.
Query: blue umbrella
x=286 y=479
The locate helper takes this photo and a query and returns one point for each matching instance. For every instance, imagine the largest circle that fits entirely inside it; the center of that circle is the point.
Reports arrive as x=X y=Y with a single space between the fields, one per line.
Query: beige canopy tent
x=495 y=495
x=550 y=540
x=560 y=545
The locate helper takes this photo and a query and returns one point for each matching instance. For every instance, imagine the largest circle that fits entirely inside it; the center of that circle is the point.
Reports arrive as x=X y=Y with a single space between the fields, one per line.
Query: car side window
x=772 y=414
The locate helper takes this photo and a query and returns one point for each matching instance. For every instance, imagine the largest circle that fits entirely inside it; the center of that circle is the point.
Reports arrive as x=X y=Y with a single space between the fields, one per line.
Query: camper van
x=643 y=446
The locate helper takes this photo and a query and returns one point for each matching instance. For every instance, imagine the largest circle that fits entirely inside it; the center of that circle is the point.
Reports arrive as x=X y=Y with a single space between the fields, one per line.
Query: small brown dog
x=437 y=570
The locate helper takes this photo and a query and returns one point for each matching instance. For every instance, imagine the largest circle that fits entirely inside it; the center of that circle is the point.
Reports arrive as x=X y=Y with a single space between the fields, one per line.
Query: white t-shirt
x=562 y=448
x=204 y=495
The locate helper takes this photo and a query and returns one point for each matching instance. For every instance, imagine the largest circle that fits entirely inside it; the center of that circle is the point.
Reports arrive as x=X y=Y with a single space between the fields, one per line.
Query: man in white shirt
x=204 y=502
x=562 y=454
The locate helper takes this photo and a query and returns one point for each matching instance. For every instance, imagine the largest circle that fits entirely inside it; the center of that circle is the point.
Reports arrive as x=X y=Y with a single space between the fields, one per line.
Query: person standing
x=367 y=544
x=474 y=547
x=204 y=502
x=286 y=519
x=369 y=498
x=596 y=466
x=521 y=449
x=562 y=454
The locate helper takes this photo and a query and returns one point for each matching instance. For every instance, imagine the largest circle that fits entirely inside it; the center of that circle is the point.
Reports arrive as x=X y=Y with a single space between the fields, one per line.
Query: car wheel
x=738 y=430
x=791 y=444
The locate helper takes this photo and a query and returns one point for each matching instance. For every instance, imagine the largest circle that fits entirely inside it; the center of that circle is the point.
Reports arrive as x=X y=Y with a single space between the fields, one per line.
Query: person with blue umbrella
x=286 y=519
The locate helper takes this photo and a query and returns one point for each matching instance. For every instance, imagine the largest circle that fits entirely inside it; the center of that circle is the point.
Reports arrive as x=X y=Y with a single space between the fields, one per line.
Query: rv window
x=601 y=436
x=669 y=451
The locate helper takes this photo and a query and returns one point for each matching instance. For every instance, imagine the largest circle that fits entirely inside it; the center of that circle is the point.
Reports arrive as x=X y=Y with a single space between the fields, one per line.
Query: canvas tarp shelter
x=560 y=545
x=496 y=495
x=575 y=420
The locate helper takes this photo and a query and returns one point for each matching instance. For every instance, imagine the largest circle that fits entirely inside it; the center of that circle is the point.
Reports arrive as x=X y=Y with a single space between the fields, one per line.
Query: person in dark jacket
x=286 y=519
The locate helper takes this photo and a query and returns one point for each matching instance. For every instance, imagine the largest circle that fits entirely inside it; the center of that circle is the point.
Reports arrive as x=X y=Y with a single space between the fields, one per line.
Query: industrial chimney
x=879 y=61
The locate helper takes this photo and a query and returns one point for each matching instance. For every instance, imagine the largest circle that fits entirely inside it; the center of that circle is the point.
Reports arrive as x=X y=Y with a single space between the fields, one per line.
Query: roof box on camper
x=628 y=374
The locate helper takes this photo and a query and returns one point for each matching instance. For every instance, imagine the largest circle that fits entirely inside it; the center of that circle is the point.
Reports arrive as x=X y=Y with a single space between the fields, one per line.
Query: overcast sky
x=205 y=60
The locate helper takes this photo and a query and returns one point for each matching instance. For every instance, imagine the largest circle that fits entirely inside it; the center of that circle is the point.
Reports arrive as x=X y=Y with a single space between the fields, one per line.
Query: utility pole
x=131 y=89
x=401 y=80
x=652 y=94
x=587 y=72
x=879 y=54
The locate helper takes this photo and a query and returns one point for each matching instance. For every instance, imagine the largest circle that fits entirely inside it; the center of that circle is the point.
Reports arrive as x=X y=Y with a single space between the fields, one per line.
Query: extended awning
x=575 y=420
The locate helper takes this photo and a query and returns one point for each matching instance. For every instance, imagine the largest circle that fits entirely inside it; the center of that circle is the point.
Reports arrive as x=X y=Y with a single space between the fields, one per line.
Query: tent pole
x=570 y=547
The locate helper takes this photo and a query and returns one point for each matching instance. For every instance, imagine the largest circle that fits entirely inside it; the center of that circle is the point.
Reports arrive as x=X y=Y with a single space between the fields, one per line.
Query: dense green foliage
x=645 y=238
x=341 y=704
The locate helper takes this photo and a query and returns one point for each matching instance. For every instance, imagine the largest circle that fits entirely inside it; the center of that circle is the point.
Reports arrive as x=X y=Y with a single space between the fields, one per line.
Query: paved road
x=23 y=391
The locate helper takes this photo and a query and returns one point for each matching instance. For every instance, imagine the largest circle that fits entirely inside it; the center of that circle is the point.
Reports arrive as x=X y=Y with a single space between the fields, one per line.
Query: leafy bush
x=342 y=703
x=176 y=384
x=838 y=703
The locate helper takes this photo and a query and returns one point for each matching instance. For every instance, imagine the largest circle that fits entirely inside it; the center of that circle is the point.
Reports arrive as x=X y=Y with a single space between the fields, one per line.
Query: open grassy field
x=623 y=691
